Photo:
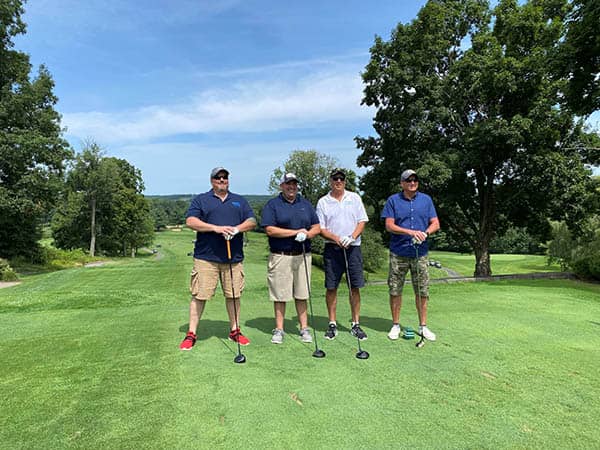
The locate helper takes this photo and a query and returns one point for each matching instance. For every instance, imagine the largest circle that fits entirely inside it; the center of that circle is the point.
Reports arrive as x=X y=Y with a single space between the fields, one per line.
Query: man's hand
x=300 y=237
x=347 y=241
x=227 y=232
x=419 y=237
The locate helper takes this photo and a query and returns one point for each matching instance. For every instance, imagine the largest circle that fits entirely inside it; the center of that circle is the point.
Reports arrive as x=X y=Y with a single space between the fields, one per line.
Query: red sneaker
x=188 y=342
x=237 y=336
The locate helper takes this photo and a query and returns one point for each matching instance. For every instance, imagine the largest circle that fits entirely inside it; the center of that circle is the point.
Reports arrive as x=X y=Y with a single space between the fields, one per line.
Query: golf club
x=239 y=359
x=318 y=353
x=361 y=354
x=421 y=342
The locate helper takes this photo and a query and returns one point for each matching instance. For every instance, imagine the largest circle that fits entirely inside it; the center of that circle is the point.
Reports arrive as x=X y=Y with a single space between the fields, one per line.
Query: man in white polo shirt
x=342 y=217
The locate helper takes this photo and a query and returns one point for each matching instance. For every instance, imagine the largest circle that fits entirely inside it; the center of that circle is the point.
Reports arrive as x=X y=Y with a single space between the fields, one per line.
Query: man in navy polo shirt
x=410 y=217
x=290 y=221
x=218 y=216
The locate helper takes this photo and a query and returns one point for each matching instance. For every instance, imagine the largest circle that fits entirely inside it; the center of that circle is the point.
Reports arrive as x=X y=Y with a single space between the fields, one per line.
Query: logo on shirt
x=236 y=204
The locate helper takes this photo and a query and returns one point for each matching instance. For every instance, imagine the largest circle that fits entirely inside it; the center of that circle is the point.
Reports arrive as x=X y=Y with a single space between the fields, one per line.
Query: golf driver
x=421 y=342
x=361 y=354
x=239 y=359
x=318 y=353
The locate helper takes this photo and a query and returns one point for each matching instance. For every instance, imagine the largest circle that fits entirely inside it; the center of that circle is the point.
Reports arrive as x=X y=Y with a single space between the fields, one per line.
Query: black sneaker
x=331 y=332
x=357 y=331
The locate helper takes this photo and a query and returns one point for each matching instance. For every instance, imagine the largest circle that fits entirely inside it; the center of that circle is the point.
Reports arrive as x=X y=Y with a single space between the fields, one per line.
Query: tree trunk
x=132 y=251
x=487 y=213
x=483 y=267
x=93 y=228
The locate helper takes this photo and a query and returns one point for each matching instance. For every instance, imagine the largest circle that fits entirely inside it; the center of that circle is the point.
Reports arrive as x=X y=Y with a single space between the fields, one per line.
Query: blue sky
x=178 y=87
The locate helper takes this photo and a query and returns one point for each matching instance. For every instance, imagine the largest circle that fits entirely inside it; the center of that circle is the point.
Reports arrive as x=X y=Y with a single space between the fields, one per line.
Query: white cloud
x=256 y=106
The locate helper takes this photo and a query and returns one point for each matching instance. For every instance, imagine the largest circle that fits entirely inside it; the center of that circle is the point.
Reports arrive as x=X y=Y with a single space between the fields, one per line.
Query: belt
x=296 y=253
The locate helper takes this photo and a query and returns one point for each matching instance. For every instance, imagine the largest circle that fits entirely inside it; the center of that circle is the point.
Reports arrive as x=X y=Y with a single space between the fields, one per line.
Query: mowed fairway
x=90 y=359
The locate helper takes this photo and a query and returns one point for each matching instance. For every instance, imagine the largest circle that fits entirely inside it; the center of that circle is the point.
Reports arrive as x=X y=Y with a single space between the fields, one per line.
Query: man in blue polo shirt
x=290 y=221
x=218 y=216
x=410 y=217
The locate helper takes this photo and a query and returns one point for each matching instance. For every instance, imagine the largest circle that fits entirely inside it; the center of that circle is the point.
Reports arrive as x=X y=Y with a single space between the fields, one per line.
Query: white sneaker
x=427 y=333
x=305 y=335
x=277 y=336
x=395 y=332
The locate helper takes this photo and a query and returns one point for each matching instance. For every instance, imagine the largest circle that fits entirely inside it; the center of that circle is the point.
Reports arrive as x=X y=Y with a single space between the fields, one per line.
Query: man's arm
x=434 y=225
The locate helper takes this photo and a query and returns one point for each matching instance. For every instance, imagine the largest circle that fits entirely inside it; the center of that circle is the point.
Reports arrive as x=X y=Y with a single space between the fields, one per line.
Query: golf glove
x=346 y=241
x=300 y=237
x=229 y=236
x=415 y=241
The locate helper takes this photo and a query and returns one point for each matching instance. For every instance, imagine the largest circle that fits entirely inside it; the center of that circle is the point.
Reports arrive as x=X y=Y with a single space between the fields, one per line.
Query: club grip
x=228 y=250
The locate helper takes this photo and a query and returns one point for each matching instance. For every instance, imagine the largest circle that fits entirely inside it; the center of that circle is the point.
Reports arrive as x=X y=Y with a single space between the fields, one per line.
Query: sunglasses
x=338 y=178
x=412 y=180
x=221 y=177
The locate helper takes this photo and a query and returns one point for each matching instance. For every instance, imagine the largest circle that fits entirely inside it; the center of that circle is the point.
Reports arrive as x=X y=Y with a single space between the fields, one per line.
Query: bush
x=515 y=240
x=55 y=258
x=6 y=272
x=560 y=248
x=582 y=254
x=373 y=250
x=585 y=260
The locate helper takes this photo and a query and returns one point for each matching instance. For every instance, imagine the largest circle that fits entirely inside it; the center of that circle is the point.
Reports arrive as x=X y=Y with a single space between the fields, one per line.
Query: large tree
x=312 y=169
x=32 y=151
x=104 y=208
x=467 y=96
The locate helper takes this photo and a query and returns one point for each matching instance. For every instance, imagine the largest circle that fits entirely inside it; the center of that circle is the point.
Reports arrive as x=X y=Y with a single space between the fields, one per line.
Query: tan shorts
x=399 y=266
x=286 y=276
x=206 y=275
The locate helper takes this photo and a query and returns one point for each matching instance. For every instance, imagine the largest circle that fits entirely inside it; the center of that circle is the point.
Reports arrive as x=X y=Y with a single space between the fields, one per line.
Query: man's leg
x=331 y=299
x=421 y=304
x=302 y=315
x=196 y=310
x=355 y=305
x=395 y=306
x=231 y=310
x=279 y=308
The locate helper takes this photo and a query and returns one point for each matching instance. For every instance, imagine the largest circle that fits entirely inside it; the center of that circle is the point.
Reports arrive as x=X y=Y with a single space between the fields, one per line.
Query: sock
x=396 y=325
x=333 y=322
x=354 y=323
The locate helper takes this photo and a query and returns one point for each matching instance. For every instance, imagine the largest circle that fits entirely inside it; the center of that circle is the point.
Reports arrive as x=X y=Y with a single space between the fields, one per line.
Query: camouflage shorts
x=399 y=266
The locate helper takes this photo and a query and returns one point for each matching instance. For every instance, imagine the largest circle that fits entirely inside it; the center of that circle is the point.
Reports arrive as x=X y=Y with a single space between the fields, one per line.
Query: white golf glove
x=229 y=236
x=300 y=237
x=417 y=241
x=346 y=241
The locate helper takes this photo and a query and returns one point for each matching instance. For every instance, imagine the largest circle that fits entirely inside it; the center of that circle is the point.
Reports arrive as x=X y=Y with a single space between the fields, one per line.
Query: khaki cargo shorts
x=286 y=276
x=207 y=274
x=399 y=266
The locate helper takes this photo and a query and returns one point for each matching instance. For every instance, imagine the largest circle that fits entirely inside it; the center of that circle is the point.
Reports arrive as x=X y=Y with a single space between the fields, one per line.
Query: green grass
x=90 y=360
x=464 y=264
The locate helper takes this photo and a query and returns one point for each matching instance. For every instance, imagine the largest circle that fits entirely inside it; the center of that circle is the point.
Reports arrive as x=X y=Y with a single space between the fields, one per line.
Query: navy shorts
x=335 y=266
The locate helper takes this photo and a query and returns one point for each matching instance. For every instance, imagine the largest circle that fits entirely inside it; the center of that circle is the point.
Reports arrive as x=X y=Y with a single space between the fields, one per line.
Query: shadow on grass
x=290 y=325
x=208 y=328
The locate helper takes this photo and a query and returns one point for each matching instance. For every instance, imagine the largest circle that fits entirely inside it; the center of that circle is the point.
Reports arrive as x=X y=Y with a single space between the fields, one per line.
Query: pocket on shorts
x=194 y=283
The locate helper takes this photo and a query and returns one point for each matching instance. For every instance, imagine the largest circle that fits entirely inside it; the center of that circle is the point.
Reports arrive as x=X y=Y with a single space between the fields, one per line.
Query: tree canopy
x=579 y=57
x=32 y=150
x=469 y=98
